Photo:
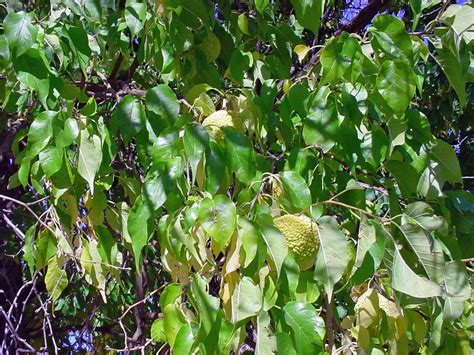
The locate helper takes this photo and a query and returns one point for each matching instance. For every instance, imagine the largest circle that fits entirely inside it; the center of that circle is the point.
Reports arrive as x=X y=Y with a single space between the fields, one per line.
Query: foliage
x=129 y=224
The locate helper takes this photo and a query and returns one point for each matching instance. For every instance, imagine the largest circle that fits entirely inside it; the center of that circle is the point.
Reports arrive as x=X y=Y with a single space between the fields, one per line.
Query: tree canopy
x=148 y=147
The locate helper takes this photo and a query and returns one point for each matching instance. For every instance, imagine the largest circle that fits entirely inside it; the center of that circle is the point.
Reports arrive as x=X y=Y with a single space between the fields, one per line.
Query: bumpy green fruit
x=301 y=236
x=211 y=47
x=220 y=119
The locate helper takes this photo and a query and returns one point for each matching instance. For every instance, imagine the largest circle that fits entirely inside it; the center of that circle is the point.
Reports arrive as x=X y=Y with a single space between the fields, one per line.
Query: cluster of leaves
x=153 y=231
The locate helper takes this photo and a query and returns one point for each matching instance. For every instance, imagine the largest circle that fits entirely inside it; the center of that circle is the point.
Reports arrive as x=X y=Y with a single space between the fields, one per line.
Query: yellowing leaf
x=301 y=51
x=367 y=308
x=56 y=278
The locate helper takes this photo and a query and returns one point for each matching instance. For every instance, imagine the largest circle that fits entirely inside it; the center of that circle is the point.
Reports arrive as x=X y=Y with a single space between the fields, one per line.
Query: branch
x=17 y=231
x=116 y=67
x=357 y=24
x=363 y=18
x=329 y=326
x=27 y=207
x=127 y=349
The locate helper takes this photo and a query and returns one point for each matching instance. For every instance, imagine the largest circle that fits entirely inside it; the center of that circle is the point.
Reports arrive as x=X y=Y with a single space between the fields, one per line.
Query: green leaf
x=177 y=232
x=107 y=246
x=40 y=132
x=308 y=328
x=296 y=195
x=207 y=307
x=185 y=338
x=172 y=323
x=338 y=56
x=396 y=83
x=28 y=248
x=90 y=157
x=135 y=16
x=20 y=32
x=457 y=287
x=427 y=250
x=139 y=228
x=192 y=12
x=69 y=134
x=157 y=331
x=277 y=248
x=90 y=108
x=239 y=154
x=289 y=277
x=307 y=290
x=93 y=263
x=243 y=24
x=460 y=19
x=162 y=101
x=444 y=154
x=321 y=127
x=250 y=234
x=196 y=141
x=406 y=176
x=390 y=37
x=309 y=13
x=33 y=71
x=266 y=343
x=129 y=118
x=51 y=160
x=45 y=248
x=56 y=279
x=285 y=344
x=80 y=46
x=215 y=168
x=431 y=181
x=437 y=329
x=170 y=294
x=299 y=97
x=333 y=255
x=218 y=217
x=154 y=190
x=422 y=215
x=260 y=5
x=246 y=300
x=405 y=280
x=367 y=238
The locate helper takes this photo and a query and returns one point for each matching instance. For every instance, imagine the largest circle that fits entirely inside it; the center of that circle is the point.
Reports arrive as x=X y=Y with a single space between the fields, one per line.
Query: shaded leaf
x=333 y=254
x=308 y=328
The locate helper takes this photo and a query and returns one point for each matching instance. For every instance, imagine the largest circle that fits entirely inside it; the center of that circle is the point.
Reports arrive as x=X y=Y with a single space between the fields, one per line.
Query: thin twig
x=126 y=349
x=98 y=262
x=15 y=229
x=140 y=302
x=332 y=202
x=27 y=206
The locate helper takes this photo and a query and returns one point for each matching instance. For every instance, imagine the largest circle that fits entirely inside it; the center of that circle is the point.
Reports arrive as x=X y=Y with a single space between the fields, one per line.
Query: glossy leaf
x=246 y=300
x=308 y=328
x=333 y=254
x=90 y=157
x=396 y=84
x=20 y=32
x=309 y=13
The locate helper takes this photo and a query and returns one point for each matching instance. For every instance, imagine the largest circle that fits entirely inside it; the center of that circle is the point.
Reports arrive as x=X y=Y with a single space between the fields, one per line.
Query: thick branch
x=363 y=18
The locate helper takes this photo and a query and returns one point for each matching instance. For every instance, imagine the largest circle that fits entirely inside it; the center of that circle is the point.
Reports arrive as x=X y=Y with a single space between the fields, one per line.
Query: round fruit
x=301 y=236
x=220 y=119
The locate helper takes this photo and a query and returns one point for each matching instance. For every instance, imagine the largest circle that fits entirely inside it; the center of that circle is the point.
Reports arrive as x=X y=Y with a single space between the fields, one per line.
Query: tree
x=149 y=147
